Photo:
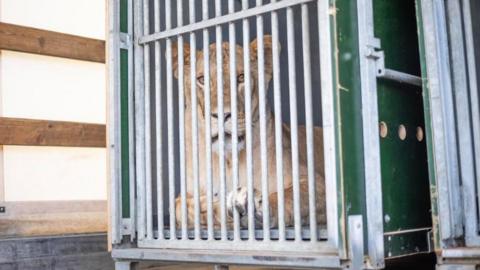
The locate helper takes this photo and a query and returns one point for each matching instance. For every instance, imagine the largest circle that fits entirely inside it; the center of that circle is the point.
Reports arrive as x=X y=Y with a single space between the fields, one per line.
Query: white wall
x=78 y=17
x=42 y=87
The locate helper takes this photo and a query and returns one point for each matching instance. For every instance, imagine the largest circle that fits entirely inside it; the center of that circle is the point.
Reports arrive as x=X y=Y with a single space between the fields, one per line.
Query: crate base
x=125 y=257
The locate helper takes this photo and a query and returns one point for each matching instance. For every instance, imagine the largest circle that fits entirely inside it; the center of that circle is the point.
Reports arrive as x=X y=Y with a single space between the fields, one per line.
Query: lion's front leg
x=238 y=199
x=190 y=203
x=304 y=206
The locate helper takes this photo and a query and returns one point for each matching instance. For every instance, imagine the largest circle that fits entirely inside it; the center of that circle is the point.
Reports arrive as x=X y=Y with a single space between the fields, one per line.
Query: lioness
x=238 y=198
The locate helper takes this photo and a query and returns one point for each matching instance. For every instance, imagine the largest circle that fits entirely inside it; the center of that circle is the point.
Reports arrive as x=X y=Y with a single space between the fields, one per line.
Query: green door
x=404 y=167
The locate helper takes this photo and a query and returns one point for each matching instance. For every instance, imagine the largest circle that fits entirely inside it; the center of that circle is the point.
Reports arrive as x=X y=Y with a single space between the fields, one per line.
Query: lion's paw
x=238 y=199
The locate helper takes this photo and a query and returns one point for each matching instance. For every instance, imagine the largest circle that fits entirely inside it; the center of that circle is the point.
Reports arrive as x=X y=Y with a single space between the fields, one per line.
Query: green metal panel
x=404 y=166
x=125 y=187
x=124 y=16
x=350 y=109
x=124 y=133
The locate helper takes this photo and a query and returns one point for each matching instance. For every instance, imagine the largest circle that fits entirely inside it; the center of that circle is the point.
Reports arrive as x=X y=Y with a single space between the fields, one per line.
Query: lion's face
x=203 y=81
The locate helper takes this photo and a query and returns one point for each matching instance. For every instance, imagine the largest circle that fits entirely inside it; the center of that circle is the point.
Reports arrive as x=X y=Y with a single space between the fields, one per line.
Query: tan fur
x=199 y=106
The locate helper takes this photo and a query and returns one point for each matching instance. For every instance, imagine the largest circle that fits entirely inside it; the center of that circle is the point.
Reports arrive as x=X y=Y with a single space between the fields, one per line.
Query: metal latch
x=374 y=52
x=125 y=41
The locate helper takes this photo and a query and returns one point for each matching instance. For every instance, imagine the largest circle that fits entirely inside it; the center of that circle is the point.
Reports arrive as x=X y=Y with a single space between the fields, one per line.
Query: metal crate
x=326 y=71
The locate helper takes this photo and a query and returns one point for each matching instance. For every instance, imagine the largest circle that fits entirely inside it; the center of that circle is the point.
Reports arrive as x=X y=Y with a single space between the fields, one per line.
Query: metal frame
x=453 y=100
x=113 y=145
x=447 y=178
x=454 y=106
x=368 y=46
x=144 y=212
x=462 y=79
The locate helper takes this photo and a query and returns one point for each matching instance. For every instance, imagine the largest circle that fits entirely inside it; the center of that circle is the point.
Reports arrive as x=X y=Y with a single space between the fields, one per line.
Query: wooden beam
x=52 y=218
x=16 y=131
x=37 y=41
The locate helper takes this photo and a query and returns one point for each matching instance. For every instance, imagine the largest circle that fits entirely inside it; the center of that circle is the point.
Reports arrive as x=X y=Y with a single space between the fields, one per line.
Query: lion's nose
x=226 y=116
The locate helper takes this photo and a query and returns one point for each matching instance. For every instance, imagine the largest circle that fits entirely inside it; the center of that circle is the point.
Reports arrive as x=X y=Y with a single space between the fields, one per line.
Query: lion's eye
x=240 y=78
x=201 y=80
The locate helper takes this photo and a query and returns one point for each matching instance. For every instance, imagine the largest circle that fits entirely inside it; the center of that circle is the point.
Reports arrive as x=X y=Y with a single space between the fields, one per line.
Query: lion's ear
x=267 y=47
x=175 y=53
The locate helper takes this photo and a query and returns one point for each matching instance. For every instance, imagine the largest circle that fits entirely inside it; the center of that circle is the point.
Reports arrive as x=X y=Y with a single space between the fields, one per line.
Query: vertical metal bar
x=367 y=43
x=459 y=73
x=114 y=145
x=355 y=235
x=263 y=125
x=131 y=126
x=278 y=127
x=181 y=120
x=474 y=99
x=193 y=86
x=139 y=121
x=220 y=121
x=170 y=116
x=159 y=122
x=233 y=105
x=328 y=121
x=444 y=141
x=248 y=123
x=208 y=135
x=148 y=128
x=292 y=90
x=307 y=77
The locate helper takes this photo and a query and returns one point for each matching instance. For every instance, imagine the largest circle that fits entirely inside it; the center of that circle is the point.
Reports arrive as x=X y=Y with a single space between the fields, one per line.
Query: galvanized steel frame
x=113 y=145
x=138 y=44
x=143 y=40
x=454 y=106
x=117 y=41
x=447 y=175
x=464 y=84
x=368 y=46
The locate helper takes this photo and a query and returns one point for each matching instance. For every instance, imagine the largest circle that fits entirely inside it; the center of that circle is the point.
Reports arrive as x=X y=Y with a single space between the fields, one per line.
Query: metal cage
x=172 y=183
x=159 y=146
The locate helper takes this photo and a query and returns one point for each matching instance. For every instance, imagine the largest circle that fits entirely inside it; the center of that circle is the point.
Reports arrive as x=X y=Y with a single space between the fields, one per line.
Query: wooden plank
x=37 y=41
x=16 y=131
x=41 y=218
x=2 y=176
x=73 y=252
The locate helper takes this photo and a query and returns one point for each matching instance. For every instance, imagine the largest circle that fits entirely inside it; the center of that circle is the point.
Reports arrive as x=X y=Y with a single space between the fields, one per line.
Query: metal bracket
x=355 y=241
x=431 y=243
x=374 y=52
x=126 y=226
x=125 y=41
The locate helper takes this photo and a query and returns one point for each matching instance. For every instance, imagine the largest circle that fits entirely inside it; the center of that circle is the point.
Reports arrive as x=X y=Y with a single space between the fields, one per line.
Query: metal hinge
x=125 y=41
x=355 y=241
x=126 y=228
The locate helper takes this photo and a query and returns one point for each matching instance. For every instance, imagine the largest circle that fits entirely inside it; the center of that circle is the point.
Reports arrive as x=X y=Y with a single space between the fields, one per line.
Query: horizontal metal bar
x=401 y=77
x=461 y=253
x=221 y=20
x=426 y=229
x=259 y=234
x=281 y=259
x=252 y=245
